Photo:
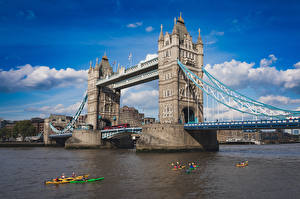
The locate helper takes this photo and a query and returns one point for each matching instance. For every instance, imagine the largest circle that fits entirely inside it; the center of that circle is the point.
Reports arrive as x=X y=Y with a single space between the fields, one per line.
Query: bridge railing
x=110 y=133
x=287 y=123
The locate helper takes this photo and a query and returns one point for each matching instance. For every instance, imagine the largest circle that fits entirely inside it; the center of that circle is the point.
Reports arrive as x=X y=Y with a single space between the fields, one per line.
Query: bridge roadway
x=141 y=73
x=240 y=125
x=105 y=134
x=234 y=125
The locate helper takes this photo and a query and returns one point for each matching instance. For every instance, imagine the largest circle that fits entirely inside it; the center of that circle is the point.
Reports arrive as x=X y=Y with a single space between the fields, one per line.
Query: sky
x=46 y=46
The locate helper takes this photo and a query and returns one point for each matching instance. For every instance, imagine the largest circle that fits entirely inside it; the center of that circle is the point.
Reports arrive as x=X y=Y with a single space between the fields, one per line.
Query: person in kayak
x=63 y=176
x=73 y=174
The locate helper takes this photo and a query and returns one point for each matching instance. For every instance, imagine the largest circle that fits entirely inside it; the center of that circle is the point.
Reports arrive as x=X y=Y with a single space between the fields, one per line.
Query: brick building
x=38 y=124
x=131 y=115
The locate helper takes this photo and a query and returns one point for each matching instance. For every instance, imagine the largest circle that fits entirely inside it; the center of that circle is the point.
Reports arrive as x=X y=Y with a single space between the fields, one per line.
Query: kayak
x=177 y=168
x=244 y=164
x=66 y=180
x=88 y=180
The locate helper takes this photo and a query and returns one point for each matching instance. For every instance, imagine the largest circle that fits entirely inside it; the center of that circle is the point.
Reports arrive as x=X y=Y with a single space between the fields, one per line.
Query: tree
x=5 y=133
x=24 y=128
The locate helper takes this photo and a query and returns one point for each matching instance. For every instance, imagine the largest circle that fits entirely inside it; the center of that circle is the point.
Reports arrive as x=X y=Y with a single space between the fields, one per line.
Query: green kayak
x=89 y=180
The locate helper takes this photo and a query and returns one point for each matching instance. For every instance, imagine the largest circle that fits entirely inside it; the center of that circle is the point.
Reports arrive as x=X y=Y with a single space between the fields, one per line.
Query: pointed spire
x=199 y=41
x=91 y=64
x=161 y=36
x=97 y=65
x=104 y=56
x=174 y=28
x=180 y=19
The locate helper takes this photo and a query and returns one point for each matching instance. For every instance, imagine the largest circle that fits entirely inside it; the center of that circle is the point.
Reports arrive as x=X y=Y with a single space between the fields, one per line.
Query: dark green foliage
x=6 y=133
x=24 y=128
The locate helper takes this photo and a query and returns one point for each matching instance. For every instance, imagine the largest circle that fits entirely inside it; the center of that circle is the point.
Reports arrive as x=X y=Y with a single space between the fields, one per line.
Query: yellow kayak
x=66 y=180
x=241 y=165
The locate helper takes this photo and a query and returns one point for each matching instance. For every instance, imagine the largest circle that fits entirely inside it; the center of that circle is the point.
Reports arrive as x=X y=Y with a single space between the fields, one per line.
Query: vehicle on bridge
x=119 y=126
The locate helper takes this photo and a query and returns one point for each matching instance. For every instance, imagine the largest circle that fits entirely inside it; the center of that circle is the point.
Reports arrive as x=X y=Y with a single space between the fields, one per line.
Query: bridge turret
x=178 y=102
x=199 y=47
x=105 y=68
x=161 y=38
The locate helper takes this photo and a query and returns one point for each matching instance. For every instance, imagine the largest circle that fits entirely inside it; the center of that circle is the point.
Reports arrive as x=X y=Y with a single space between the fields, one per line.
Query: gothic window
x=167 y=54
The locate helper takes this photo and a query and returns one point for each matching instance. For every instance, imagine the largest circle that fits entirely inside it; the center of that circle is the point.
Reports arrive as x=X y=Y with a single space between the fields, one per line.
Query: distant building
x=10 y=125
x=60 y=118
x=224 y=136
x=149 y=120
x=131 y=116
x=38 y=124
x=59 y=121
x=271 y=136
x=81 y=119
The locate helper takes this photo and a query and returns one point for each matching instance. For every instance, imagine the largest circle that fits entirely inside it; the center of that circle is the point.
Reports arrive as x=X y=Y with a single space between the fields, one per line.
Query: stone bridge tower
x=103 y=102
x=180 y=101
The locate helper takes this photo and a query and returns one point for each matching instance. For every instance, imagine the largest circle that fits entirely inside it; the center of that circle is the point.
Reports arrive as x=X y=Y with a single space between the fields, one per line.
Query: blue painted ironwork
x=234 y=100
x=110 y=133
x=257 y=124
x=62 y=135
x=70 y=125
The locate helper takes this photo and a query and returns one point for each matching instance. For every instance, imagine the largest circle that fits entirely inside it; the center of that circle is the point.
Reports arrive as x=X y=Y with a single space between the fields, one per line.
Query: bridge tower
x=103 y=102
x=179 y=100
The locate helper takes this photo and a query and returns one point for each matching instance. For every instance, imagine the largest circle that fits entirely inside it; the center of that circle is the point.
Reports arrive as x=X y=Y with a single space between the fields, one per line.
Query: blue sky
x=45 y=48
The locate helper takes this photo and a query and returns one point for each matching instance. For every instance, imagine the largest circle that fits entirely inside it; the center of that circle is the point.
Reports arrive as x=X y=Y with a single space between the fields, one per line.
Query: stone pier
x=170 y=137
x=84 y=139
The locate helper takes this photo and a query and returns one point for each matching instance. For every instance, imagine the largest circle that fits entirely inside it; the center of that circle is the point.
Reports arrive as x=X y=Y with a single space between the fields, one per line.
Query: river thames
x=273 y=172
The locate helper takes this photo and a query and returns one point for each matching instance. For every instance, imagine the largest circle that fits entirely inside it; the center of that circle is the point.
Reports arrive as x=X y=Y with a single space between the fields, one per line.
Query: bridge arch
x=187 y=115
x=105 y=122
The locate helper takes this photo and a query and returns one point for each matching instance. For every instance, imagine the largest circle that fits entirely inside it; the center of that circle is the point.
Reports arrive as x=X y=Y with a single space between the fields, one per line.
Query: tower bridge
x=179 y=69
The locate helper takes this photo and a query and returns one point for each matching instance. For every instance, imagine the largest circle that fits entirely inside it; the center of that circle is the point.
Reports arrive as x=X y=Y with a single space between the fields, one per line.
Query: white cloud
x=278 y=100
x=241 y=75
x=297 y=65
x=134 y=25
x=268 y=62
x=149 y=57
x=233 y=73
x=147 y=99
x=212 y=37
x=40 y=78
x=149 y=29
x=216 y=33
x=57 y=109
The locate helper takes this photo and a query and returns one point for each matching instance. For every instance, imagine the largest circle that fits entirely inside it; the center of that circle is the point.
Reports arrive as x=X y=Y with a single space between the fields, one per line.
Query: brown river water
x=273 y=172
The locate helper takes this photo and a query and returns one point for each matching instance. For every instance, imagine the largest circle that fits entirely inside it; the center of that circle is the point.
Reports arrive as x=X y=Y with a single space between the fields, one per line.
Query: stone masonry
x=103 y=102
x=179 y=100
